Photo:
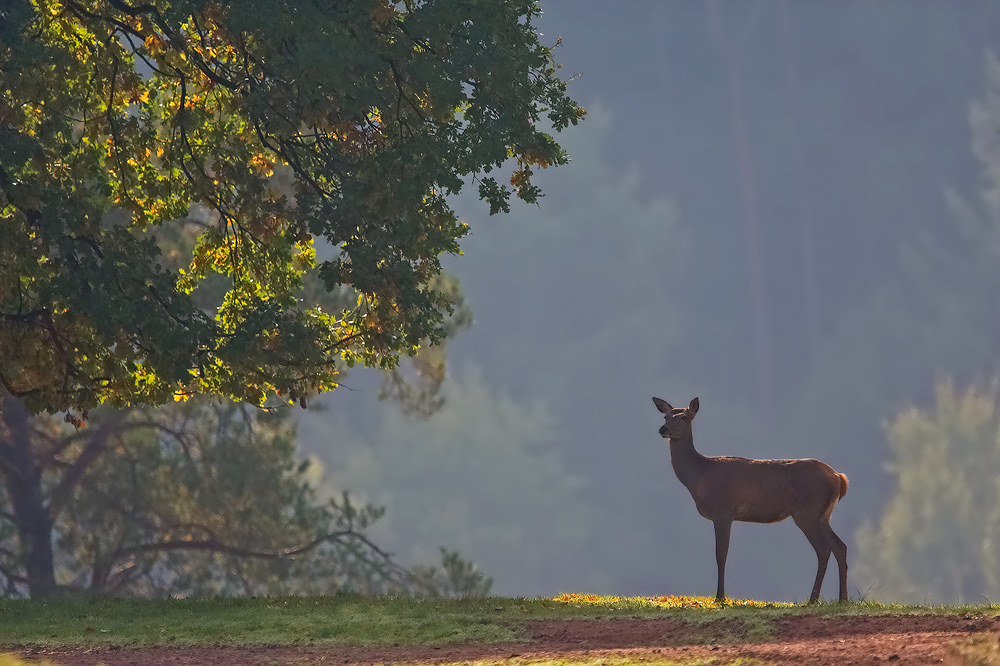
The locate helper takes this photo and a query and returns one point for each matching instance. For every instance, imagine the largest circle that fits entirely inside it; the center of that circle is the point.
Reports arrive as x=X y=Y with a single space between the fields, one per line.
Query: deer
x=727 y=488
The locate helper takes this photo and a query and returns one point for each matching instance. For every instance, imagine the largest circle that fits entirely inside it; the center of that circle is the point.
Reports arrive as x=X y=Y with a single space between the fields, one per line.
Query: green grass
x=978 y=650
x=353 y=620
x=349 y=620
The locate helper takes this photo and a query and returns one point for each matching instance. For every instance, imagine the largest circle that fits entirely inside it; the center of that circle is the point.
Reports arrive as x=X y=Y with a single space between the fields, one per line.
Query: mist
x=768 y=207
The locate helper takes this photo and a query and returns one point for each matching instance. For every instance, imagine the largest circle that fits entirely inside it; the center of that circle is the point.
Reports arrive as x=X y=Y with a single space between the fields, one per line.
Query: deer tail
x=843 y=485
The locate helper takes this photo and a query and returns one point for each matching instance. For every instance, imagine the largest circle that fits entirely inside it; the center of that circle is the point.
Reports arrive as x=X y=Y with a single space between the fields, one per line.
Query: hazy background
x=784 y=208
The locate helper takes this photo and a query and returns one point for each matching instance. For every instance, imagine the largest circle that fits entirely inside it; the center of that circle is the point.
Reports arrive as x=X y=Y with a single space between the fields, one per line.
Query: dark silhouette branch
x=175 y=40
x=24 y=317
x=92 y=451
x=214 y=545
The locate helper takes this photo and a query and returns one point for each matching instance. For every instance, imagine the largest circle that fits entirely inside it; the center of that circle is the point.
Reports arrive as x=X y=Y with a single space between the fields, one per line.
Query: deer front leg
x=722 y=531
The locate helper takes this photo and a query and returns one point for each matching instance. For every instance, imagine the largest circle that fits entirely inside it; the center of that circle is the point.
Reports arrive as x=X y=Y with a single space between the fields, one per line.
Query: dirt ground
x=796 y=640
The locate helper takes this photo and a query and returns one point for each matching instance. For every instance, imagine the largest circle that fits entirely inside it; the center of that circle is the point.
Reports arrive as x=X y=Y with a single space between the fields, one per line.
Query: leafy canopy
x=289 y=122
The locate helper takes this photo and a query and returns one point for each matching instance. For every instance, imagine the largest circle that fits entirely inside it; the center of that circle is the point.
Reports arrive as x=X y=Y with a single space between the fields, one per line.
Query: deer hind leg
x=839 y=549
x=723 y=528
x=819 y=540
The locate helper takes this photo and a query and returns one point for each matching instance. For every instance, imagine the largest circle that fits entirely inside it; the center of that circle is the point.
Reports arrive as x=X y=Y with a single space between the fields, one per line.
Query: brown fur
x=726 y=488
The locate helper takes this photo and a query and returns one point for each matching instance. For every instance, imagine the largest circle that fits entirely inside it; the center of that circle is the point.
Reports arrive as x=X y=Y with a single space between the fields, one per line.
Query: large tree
x=290 y=122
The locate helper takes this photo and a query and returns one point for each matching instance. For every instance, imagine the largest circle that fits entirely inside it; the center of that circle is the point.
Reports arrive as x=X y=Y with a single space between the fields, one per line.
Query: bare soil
x=795 y=640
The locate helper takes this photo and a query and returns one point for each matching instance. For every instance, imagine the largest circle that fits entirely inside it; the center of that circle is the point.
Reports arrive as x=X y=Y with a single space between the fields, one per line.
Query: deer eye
x=684 y=417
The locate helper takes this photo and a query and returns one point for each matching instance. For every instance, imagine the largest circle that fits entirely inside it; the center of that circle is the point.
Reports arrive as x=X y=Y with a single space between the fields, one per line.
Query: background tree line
x=872 y=152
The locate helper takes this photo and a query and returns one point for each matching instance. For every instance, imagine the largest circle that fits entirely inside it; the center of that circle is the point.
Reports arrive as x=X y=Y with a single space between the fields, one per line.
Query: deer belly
x=760 y=514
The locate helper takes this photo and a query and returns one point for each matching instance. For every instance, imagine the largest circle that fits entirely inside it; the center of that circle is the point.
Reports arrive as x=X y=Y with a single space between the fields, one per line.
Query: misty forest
x=374 y=299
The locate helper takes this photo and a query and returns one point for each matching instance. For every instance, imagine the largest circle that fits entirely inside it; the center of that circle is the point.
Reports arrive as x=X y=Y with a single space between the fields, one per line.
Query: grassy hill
x=355 y=620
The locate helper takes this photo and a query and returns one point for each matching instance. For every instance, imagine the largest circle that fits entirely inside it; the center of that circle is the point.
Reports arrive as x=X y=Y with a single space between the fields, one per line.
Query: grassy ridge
x=357 y=620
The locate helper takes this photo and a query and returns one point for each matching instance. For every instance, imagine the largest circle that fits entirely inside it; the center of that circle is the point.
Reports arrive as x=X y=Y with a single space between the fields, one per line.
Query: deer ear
x=663 y=406
x=693 y=407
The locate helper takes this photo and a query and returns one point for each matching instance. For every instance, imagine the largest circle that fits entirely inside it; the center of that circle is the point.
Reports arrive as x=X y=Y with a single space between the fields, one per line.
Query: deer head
x=676 y=421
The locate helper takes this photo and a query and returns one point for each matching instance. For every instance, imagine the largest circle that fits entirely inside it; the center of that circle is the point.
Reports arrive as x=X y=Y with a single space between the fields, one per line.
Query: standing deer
x=757 y=491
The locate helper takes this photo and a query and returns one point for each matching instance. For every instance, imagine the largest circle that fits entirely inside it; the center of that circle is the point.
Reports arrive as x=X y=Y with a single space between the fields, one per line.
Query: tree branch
x=91 y=452
x=24 y=317
x=177 y=41
x=213 y=545
x=120 y=428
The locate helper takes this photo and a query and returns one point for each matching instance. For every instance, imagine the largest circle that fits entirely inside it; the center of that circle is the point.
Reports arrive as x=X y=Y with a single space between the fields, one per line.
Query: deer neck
x=687 y=462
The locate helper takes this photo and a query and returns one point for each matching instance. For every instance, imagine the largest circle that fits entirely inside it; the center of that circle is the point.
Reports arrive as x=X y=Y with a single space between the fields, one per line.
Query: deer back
x=764 y=491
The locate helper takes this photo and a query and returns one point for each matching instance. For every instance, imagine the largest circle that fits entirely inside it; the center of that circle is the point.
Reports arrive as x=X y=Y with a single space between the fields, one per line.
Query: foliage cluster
x=292 y=124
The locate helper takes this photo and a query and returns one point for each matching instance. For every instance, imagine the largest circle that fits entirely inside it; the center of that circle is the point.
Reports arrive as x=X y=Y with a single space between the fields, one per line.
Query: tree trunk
x=23 y=477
